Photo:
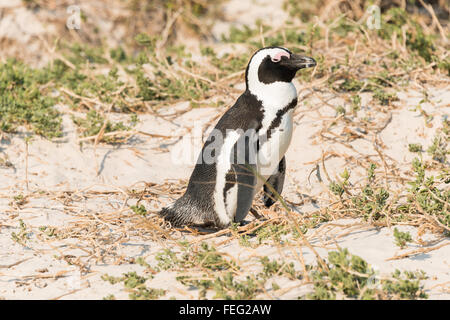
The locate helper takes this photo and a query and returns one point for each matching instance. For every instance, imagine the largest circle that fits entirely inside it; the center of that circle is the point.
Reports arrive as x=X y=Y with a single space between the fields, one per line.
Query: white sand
x=64 y=167
x=36 y=272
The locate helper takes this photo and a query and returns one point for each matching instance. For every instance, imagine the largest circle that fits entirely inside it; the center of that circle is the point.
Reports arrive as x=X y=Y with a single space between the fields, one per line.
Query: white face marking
x=277 y=57
x=223 y=165
x=274 y=96
x=273 y=150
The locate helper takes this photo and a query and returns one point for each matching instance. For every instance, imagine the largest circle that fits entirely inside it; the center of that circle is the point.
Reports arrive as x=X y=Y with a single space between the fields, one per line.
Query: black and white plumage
x=257 y=128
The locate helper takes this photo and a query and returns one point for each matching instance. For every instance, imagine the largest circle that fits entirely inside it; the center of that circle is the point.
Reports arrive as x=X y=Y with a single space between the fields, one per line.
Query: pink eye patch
x=278 y=56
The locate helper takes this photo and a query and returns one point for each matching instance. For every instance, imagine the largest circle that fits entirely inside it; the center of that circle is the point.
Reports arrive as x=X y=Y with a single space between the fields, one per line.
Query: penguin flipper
x=246 y=181
x=276 y=182
x=246 y=176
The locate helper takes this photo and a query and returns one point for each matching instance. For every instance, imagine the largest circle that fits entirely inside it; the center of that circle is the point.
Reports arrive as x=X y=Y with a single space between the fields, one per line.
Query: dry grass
x=349 y=64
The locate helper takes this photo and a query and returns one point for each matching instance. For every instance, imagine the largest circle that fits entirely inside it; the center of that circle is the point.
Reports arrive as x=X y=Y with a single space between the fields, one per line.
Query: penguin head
x=274 y=64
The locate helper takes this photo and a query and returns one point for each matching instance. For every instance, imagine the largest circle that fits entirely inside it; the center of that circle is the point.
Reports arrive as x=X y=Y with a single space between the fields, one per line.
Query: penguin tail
x=184 y=213
x=170 y=214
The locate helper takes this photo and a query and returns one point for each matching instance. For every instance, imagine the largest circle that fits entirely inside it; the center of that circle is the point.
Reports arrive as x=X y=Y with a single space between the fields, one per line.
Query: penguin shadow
x=200 y=230
x=133 y=141
x=105 y=156
x=210 y=229
x=4 y=159
x=4 y=141
x=421 y=257
x=305 y=199
x=166 y=145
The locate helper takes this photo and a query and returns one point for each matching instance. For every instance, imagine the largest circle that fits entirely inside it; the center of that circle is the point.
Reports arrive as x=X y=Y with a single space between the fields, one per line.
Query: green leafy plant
x=24 y=103
x=23 y=235
x=140 y=210
x=383 y=97
x=394 y=20
x=271 y=268
x=136 y=285
x=338 y=188
x=349 y=276
x=415 y=147
x=94 y=122
x=402 y=238
x=439 y=149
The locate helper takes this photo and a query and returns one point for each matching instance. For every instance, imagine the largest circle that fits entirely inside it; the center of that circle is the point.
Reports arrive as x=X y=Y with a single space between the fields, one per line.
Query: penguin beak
x=298 y=62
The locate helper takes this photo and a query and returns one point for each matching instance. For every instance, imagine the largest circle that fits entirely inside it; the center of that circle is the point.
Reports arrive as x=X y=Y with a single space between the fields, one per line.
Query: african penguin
x=245 y=151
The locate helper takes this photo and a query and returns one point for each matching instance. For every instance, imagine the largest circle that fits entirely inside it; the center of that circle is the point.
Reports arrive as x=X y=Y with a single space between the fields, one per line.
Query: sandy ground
x=64 y=182
x=58 y=168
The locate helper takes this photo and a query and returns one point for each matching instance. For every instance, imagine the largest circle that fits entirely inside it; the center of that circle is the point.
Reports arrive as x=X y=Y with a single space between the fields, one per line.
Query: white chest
x=273 y=149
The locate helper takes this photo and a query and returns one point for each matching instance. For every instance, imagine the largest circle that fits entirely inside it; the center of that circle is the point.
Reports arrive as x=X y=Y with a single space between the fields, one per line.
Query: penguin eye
x=276 y=60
